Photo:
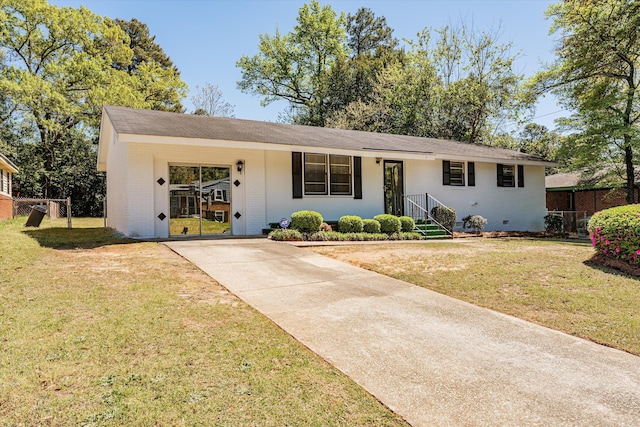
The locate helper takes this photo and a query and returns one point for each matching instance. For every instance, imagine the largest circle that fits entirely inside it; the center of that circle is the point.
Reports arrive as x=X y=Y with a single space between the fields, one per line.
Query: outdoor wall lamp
x=378 y=160
x=239 y=165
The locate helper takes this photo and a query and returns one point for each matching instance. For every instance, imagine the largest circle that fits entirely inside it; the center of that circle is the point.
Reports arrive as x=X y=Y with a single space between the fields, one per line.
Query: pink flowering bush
x=615 y=233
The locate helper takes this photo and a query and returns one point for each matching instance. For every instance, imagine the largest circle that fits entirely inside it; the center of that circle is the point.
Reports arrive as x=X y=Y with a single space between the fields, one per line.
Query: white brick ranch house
x=160 y=167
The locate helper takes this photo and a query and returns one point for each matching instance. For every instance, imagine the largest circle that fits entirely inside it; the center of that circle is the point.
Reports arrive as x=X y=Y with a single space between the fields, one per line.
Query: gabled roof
x=7 y=164
x=582 y=180
x=157 y=123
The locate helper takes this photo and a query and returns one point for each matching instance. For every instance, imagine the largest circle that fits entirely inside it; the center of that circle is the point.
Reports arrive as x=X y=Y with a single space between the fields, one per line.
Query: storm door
x=393 y=188
x=199 y=200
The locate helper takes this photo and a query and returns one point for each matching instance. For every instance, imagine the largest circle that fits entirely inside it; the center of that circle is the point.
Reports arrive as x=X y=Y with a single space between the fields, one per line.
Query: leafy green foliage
x=350 y=73
x=615 y=233
x=475 y=222
x=596 y=76
x=62 y=65
x=306 y=221
x=554 y=223
x=407 y=224
x=296 y=66
x=444 y=216
x=389 y=224
x=350 y=224
x=370 y=226
x=285 y=235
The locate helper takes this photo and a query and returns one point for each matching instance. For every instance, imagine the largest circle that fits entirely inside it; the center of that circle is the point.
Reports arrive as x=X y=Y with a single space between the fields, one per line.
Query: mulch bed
x=495 y=234
x=616 y=264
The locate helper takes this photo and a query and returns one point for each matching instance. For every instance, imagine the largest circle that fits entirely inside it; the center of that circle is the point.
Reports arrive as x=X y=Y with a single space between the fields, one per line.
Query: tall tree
x=452 y=84
x=596 y=74
x=295 y=67
x=153 y=65
x=58 y=73
x=209 y=101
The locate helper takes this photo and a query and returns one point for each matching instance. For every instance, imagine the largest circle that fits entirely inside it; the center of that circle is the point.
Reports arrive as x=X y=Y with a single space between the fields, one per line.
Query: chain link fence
x=56 y=208
x=573 y=221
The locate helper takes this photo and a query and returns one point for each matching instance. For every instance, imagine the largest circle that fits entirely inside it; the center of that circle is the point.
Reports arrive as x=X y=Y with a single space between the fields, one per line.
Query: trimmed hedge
x=306 y=221
x=407 y=224
x=285 y=234
x=615 y=233
x=444 y=216
x=389 y=223
x=350 y=224
x=370 y=226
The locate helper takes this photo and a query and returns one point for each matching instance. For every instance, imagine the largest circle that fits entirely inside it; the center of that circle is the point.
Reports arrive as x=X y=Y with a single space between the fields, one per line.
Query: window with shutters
x=457 y=173
x=334 y=169
x=453 y=173
x=510 y=175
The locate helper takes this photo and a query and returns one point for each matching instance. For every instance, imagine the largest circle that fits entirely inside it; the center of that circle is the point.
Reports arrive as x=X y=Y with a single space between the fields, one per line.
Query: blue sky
x=205 y=38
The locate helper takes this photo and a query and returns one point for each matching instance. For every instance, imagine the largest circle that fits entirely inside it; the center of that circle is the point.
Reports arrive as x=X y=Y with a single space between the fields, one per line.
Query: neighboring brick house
x=572 y=192
x=7 y=169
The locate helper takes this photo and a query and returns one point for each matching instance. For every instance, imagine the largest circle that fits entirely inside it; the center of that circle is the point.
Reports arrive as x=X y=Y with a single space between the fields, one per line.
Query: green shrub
x=444 y=216
x=370 y=226
x=389 y=224
x=350 y=224
x=410 y=236
x=407 y=224
x=306 y=221
x=475 y=222
x=285 y=234
x=615 y=233
x=553 y=223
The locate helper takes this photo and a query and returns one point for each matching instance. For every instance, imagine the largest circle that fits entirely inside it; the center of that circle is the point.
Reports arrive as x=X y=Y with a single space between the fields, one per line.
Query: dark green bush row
x=389 y=223
x=370 y=226
x=350 y=224
x=615 y=233
x=288 y=235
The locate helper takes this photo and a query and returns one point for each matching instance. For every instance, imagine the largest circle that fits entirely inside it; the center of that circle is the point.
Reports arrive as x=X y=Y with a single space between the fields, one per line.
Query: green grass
x=177 y=225
x=100 y=330
x=551 y=283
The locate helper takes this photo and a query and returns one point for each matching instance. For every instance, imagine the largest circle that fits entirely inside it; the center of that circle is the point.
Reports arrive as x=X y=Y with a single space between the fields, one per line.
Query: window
x=340 y=173
x=507 y=176
x=457 y=173
x=453 y=173
x=315 y=173
x=324 y=174
x=219 y=195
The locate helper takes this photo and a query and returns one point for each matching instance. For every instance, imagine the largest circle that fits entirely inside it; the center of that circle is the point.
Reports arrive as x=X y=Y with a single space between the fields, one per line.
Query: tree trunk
x=628 y=160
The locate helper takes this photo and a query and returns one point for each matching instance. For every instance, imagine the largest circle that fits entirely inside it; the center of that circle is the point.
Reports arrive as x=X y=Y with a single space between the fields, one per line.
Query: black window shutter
x=357 y=177
x=471 y=174
x=296 y=173
x=520 y=175
x=500 y=177
x=446 y=172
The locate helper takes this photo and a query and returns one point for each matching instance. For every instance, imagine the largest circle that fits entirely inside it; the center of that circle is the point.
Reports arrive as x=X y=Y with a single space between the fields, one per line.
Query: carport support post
x=69 y=212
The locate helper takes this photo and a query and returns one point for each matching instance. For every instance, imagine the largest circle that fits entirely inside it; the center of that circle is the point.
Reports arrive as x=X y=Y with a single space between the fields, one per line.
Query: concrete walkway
x=433 y=360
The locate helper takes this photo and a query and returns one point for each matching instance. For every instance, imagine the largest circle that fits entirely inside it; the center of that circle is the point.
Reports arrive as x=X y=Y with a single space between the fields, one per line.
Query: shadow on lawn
x=77 y=238
x=613 y=266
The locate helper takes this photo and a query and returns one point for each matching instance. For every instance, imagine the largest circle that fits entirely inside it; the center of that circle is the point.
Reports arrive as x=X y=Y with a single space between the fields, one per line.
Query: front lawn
x=100 y=330
x=551 y=283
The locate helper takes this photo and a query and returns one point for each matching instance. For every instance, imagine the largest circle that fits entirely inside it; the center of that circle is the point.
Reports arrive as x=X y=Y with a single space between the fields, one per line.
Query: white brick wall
x=147 y=199
x=117 y=188
x=265 y=193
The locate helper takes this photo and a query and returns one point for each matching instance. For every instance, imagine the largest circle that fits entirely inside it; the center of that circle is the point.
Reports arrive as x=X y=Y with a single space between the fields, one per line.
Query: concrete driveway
x=433 y=360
